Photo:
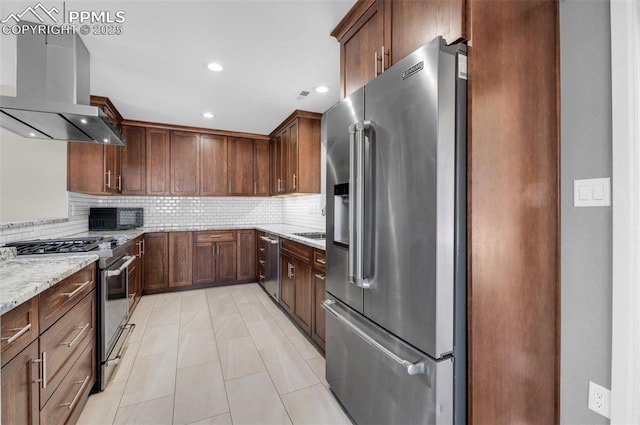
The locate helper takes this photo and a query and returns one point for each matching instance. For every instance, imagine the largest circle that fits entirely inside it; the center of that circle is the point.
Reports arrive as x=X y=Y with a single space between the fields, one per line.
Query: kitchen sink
x=312 y=235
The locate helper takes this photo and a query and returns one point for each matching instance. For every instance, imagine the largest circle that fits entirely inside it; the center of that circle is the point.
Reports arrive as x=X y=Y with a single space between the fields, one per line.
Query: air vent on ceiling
x=302 y=94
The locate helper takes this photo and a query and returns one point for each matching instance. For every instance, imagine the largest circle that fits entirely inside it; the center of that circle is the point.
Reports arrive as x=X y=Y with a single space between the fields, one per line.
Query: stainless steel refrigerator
x=396 y=242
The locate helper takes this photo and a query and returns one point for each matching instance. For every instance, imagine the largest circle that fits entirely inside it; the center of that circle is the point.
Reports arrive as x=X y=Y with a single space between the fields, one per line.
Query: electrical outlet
x=599 y=399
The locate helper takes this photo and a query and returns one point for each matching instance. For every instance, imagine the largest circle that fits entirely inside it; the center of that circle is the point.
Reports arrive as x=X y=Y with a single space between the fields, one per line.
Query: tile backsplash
x=181 y=211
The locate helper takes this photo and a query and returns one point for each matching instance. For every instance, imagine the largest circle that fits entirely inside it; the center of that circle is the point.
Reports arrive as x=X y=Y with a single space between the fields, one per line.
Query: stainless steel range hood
x=53 y=96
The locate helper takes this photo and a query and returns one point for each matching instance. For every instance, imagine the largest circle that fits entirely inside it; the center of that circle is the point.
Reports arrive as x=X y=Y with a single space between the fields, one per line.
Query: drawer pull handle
x=43 y=368
x=321 y=260
x=132 y=296
x=261 y=262
x=261 y=249
x=320 y=276
x=75 y=339
x=132 y=269
x=18 y=333
x=80 y=287
x=262 y=276
x=77 y=396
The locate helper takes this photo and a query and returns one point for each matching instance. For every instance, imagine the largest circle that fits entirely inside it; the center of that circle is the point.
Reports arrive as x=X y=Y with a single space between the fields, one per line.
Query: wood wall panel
x=513 y=212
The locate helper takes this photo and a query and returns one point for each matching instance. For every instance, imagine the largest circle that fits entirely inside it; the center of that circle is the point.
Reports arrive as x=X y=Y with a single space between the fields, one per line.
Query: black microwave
x=115 y=218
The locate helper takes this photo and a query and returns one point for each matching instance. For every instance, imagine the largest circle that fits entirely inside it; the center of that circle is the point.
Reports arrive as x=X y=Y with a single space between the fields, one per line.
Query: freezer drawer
x=373 y=385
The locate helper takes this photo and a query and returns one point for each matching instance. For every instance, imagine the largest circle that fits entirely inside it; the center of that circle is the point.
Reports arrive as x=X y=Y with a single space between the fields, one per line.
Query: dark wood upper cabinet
x=85 y=168
x=375 y=34
x=180 y=258
x=296 y=152
x=240 y=160
x=134 y=161
x=158 y=154
x=185 y=166
x=261 y=168
x=213 y=165
x=156 y=256
x=96 y=168
x=361 y=46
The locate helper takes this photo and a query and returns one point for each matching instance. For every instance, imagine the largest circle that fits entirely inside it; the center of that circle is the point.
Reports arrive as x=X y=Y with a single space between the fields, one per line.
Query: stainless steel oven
x=113 y=310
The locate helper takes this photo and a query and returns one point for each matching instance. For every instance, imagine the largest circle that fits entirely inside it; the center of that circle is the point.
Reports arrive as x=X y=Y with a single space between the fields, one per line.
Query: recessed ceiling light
x=105 y=140
x=216 y=67
x=322 y=89
x=208 y=115
x=83 y=120
x=32 y=134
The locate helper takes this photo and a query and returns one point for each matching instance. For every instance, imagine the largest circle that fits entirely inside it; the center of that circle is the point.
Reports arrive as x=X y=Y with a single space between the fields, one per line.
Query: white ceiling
x=155 y=71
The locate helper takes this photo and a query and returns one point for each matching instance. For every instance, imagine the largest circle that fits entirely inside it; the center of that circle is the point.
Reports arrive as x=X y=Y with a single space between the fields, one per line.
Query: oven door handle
x=129 y=259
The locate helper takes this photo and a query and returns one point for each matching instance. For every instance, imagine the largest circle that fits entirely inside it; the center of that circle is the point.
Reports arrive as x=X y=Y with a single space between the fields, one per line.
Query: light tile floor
x=224 y=355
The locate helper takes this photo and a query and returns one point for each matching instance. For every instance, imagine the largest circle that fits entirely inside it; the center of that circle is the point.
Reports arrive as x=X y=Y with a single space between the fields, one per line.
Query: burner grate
x=52 y=246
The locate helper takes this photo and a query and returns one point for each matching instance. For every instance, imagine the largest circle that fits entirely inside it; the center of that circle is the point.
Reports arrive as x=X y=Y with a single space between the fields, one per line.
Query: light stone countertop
x=282 y=230
x=24 y=277
x=26 y=223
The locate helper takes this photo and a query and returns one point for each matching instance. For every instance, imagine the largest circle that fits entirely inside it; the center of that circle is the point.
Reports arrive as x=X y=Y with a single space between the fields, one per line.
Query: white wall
x=33 y=178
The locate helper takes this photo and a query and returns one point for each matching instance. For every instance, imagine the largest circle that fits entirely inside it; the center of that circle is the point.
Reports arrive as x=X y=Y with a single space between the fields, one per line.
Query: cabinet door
x=112 y=168
x=318 y=328
x=261 y=168
x=19 y=389
x=361 y=49
x=283 y=159
x=292 y=158
x=185 y=151
x=287 y=284
x=156 y=271
x=180 y=259
x=85 y=168
x=414 y=23
x=246 y=254
x=134 y=157
x=204 y=262
x=226 y=259
x=213 y=165
x=240 y=159
x=303 y=295
x=157 y=162
x=273 y=161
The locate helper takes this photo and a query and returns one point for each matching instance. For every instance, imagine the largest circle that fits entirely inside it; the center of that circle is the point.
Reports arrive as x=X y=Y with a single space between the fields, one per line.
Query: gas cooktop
x=53 y=246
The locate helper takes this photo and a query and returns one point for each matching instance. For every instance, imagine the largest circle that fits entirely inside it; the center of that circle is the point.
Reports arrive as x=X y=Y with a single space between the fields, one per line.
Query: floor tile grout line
x=224 y=382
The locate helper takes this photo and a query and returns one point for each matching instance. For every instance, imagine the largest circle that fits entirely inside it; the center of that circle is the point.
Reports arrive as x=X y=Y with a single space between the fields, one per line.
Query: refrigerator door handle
x=413 y=368
x=355 y=271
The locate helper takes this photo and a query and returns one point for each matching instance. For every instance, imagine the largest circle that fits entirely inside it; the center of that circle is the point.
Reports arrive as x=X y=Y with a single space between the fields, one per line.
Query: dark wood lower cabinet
x=303 y=295
x=318 y=325
x=246 y=254
x=19 y=388
x=204 y=262
x=180 y=258
x=287 y=285
x=156 y=270
x=227 y=260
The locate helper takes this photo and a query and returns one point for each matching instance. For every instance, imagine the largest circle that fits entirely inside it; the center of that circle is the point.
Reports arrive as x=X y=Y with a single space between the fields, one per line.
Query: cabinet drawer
x=215 y=236
x=57 y=300
x=297 y=250
x=61 y=344
x=70 y=397
x=19 y=328
x=319 y=261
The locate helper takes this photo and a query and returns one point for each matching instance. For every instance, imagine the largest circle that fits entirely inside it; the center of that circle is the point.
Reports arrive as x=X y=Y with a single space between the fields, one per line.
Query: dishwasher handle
x=271 y=241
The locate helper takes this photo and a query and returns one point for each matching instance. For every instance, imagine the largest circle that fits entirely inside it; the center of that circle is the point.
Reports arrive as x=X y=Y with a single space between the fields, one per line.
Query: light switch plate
x=592 y=192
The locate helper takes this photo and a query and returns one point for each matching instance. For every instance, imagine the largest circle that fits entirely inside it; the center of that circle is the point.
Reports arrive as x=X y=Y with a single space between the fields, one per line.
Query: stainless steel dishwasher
x=271 y=245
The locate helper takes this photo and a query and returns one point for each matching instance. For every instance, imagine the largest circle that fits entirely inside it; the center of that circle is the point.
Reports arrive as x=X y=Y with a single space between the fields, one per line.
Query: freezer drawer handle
x=416 y=368
x=355 y=271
